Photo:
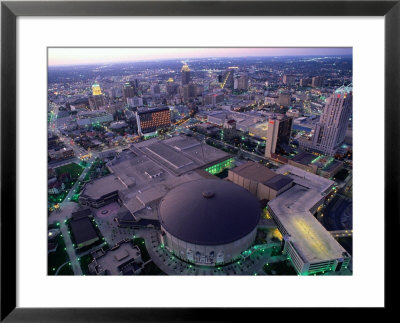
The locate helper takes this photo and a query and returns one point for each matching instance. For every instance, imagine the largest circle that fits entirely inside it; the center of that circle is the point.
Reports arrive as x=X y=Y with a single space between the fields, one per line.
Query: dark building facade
x=151 y=120
x=185 y=74
x=129 y=90
x=278 y=134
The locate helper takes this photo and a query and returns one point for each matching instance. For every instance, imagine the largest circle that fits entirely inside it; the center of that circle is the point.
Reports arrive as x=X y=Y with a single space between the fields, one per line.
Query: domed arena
x=208 y=222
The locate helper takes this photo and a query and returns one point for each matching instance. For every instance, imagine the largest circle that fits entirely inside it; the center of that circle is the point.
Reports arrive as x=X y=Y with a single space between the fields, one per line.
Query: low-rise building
x=124 y=258
x=316 y=164
x=82 y=228
x=85 y=118
x=61 y=153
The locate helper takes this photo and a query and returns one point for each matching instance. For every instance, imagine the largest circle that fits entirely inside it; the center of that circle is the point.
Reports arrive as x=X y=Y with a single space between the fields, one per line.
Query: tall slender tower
x=278 y=133
x=128 y=90
x=185 y=74
x=96 y=100
x=331 y=130
x=96 y=89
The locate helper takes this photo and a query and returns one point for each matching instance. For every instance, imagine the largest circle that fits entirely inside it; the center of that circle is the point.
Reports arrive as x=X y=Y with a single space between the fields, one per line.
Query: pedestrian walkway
x=171 y=265
x=76 y=267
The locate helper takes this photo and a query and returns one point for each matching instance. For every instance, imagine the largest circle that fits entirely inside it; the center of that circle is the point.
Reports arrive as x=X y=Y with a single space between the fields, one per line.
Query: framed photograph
x=203 y=156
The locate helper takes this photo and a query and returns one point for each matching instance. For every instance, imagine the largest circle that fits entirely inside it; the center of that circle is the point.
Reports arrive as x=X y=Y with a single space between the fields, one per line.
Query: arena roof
x=209 y=212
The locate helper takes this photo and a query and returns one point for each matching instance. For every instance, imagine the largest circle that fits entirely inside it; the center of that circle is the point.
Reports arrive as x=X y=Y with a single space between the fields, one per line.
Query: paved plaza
x=171 y=265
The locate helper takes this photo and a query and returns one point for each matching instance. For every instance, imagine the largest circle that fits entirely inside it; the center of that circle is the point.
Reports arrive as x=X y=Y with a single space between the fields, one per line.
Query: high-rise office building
x=135 y=102
x=115 y=92
x=96 y=89
x=128 y=90
x=186 y=92
x=96 y=100
x=305 y=81
x=151 y=120
x=185 y=74
x=241 y=82
x=289 y=79
x=189 y=91
x=278 y=134
x=330 y=132
x=171 y=87
x=213 y=98
x=317 y=81
x=155 y=89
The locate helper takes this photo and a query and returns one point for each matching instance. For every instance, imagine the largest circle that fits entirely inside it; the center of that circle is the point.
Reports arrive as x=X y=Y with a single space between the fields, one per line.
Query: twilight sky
x=76 y=56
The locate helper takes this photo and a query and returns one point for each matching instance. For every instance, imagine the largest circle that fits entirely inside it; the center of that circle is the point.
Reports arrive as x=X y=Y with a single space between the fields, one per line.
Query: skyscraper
x=331 y=130
x=317 y=81
x=185 y=74
x=96 y=100
x=171 y=86
x=128 y=90
x=242 y=82
x=289 y=79
x=305 y=81
x=155 y=89
x=278 y=134
x=96 y=89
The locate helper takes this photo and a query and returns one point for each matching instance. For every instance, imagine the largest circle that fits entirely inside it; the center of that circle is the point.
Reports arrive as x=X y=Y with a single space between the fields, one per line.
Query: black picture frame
x=10 y=10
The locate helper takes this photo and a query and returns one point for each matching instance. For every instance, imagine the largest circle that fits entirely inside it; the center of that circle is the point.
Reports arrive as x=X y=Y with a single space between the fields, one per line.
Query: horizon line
x=192 y=58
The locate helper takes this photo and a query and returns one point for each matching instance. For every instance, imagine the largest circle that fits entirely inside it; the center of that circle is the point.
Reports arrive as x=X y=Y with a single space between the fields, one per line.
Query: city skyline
x=60 y=56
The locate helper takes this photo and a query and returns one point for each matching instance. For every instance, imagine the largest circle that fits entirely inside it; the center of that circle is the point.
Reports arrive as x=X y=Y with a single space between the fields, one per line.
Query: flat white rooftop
x=102 y=186
x=307 y=179
x=311 y=240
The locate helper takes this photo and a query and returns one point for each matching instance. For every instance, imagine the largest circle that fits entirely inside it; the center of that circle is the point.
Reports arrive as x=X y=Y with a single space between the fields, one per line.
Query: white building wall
x=230 y=251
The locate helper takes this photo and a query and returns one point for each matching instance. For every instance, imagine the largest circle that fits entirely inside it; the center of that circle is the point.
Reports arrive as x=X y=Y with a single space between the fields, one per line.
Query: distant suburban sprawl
x=236 y=165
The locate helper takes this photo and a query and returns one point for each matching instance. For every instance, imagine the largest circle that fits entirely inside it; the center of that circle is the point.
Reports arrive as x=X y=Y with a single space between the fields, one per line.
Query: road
x=163 y=259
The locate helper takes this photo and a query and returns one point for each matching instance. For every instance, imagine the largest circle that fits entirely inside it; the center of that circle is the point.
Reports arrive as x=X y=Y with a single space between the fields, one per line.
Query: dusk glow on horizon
x=79 y=56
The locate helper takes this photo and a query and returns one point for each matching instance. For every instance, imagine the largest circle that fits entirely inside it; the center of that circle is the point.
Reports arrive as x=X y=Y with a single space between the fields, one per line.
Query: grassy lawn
x=280 y=268
x=275 y=252
x=92 y=173
x=152 y=269
x=57 y=258
x=75 y=170
x=66 y=270
x=84 y=262
x=140 y=243
x=57 y=198
x=75 y=198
